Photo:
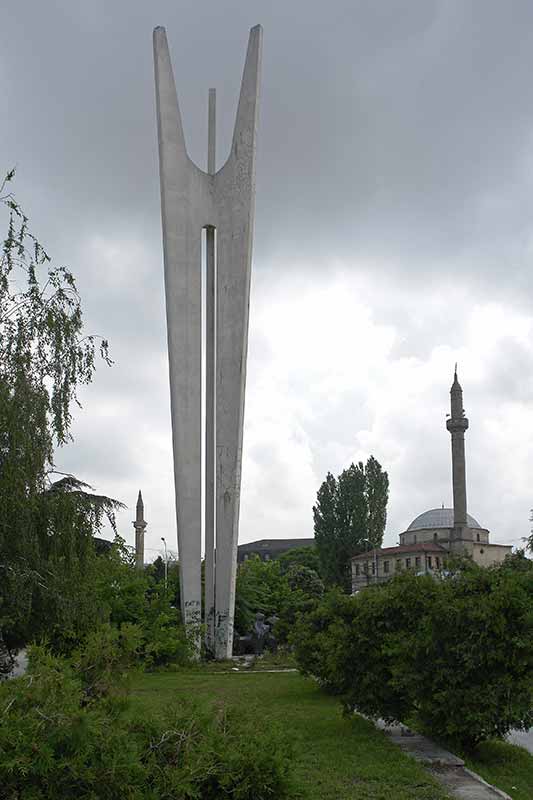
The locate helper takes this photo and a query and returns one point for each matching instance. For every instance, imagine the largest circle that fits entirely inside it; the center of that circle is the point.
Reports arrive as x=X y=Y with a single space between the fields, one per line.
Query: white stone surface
x=234 y=191
x=192 y=200
x=210 y=382
x=522 y=739
x=185 y=205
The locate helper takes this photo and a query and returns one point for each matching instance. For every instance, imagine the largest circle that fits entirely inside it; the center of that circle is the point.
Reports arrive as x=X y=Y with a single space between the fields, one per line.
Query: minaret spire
x=457 y=424
x=140 y=527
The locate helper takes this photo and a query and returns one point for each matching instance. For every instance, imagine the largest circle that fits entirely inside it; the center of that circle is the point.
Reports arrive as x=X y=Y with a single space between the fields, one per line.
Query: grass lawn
x=506 y=766
x=335 y=758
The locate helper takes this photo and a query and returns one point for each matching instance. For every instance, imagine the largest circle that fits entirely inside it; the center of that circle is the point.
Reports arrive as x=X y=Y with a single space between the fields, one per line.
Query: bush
x=164 y=640
x=261 y=586
x=104 y=659
x=455 y=653
x=56 y=746
x=139 y=601
x=306 y=589
x=300 y=556
x=279 y=588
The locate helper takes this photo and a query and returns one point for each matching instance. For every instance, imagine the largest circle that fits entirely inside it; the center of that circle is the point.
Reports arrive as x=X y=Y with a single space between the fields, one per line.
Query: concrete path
x=447 y=768
x=466 y=785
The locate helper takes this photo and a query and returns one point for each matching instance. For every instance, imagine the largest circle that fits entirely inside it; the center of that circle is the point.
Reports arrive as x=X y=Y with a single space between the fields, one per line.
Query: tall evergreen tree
x=349 y=516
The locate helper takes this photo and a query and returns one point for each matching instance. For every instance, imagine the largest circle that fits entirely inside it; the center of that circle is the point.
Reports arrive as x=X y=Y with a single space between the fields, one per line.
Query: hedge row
x=454 y=653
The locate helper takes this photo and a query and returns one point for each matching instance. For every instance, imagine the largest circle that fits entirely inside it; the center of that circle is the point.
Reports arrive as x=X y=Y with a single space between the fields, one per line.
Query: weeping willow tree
x=46 y=526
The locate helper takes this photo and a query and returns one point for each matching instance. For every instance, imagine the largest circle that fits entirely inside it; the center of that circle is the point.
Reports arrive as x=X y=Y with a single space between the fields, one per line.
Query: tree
x=349 y=516
x=261 y=586
x=304 y=579
x=301 y=556
x=306 y=590
x=156 y=571
x=454 y=653
x=65 y=519
x=44 y=357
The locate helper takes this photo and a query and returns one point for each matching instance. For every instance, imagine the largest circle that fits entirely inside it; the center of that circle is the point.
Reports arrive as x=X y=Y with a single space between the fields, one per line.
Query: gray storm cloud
x=395 y=150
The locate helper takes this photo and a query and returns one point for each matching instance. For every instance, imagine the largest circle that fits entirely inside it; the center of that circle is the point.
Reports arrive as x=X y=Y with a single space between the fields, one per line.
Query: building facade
x=436 y=533
x=269 y=549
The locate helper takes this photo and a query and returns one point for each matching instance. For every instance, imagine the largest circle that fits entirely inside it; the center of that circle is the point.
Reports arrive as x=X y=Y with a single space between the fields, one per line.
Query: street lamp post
x=166 y=562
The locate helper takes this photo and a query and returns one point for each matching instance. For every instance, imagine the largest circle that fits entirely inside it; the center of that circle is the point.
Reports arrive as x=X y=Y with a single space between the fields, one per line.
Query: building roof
x=275 y=544
x=439 y=518
x=102 y=545
x=421 y=547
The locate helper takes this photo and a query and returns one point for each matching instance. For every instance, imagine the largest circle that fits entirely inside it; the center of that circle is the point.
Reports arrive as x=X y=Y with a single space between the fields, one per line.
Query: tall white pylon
x=222 y=202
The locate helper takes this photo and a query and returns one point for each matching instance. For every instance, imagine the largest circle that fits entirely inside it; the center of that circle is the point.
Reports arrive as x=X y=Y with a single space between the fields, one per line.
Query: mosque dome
x=439 y=518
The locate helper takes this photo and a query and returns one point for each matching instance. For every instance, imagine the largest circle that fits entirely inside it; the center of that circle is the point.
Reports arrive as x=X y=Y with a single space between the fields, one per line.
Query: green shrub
x=306 y=589
x=165 y=642
x=56 y=746
x=300 y=556
x=102 y=662
x=51 y=746
x=261 y=586
x=455 y=653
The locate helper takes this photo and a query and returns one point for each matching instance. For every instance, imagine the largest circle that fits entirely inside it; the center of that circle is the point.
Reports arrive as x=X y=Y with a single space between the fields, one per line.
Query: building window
x=478 y=538
x=408 y=563
x=398 y=563
x=437 y=561
x=430 y=564
x=385 y=566
x=357 y=569
x=365 y=567
x=435 y=536
x=414 y=538
x=373 y=568
x=417 y=562
x=267 y=556
x=246 y=556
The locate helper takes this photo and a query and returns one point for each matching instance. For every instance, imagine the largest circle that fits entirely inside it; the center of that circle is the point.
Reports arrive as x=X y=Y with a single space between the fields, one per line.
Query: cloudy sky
x=394 y=236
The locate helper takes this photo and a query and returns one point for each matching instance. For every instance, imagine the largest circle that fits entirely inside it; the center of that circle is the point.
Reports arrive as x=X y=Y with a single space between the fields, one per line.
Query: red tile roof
x=420 y=547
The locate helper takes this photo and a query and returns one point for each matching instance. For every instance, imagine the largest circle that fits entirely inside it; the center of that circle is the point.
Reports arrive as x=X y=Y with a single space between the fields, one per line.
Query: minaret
x=140 y=526
x=457 y=424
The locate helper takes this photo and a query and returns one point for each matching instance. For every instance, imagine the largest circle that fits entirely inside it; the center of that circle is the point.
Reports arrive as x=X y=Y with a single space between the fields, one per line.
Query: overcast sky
x=394 y=237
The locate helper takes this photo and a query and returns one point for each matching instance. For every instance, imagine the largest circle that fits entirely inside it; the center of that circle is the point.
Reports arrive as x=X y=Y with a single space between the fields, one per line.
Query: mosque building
x=434 y=534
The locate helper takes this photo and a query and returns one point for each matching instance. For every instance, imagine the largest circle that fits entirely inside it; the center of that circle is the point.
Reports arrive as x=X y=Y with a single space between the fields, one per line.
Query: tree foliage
x=268 y=587
x=72 y=741
x=156 y=572
x=261 y=586
x=129 y=600
x=64 y=602
x=454 y=653
x=42 y=349
x=44 y=358
x=349 y=510
x=306 y=590
x=300 y=556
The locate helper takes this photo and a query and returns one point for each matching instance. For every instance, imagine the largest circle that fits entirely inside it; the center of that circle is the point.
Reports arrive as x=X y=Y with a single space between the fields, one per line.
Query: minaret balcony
x=457 y=424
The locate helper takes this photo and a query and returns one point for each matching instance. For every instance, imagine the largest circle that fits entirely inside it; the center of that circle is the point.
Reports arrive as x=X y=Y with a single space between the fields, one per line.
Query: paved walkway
x=443 y=765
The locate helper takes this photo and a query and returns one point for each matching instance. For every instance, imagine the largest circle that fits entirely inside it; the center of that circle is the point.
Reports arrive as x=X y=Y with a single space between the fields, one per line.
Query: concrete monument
x=222 y=203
